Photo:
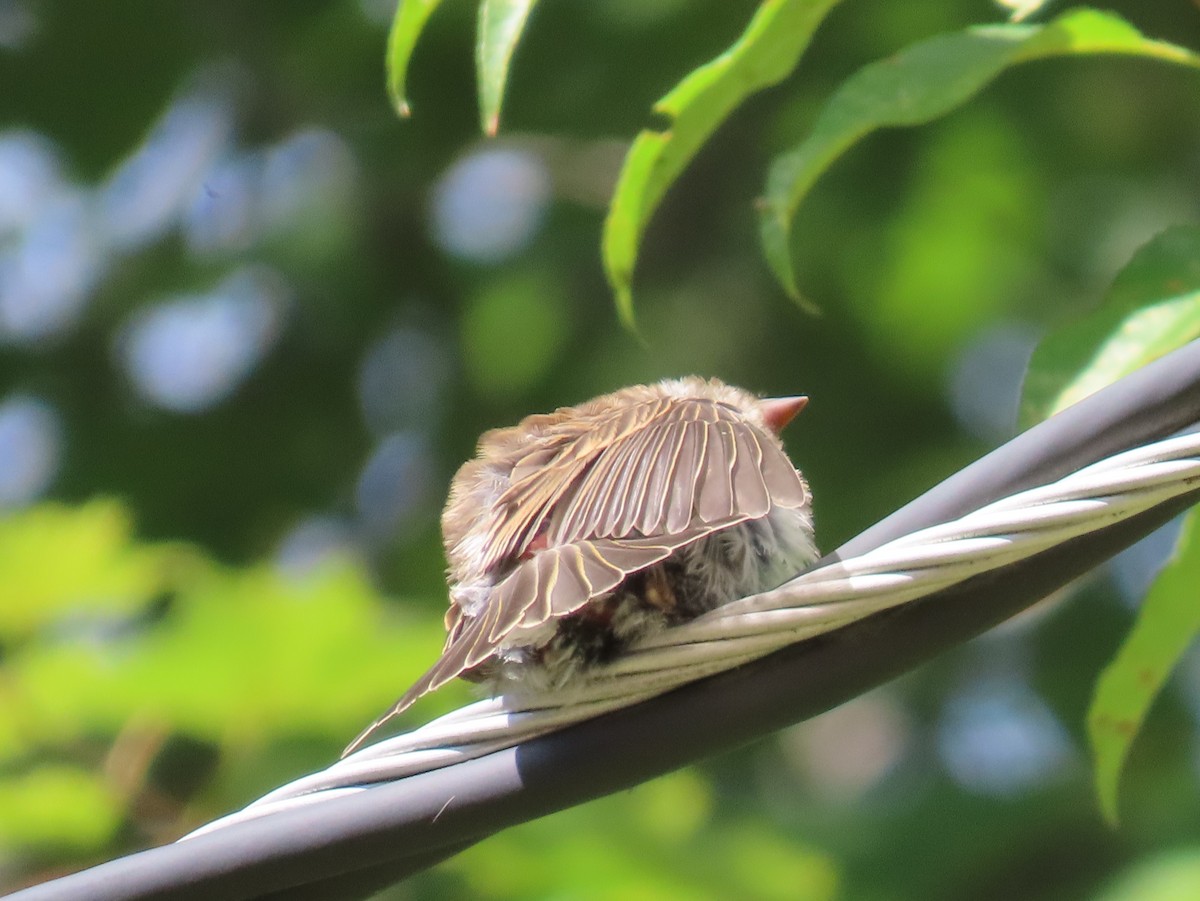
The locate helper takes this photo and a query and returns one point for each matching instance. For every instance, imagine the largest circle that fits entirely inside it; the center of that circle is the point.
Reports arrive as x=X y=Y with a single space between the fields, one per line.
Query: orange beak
x=777 y=412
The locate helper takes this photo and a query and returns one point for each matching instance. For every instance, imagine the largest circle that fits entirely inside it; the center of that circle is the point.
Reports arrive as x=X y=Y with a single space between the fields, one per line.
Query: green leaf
x=500 y=25
x=924 y=81
x=1020 y=10
x=407 y=25
x=264 y=644
x=1169 y=875
x=766 y=52
x=1166 y=624
x=1153 y=308
x=57 y=561
x=57 y=806
x=661 y=842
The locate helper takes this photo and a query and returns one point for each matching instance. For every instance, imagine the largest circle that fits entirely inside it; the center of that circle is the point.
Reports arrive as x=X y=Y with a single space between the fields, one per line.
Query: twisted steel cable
x=815 y=602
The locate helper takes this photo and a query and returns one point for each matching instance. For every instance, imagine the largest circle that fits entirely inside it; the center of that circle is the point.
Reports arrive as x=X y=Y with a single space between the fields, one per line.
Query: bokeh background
x=251 y=322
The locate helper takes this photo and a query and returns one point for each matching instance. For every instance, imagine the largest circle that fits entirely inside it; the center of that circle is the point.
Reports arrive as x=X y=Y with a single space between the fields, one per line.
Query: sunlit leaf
x=407 y=25
x=769 y=867
x=923 y=82
x=58 y=807
x=690 y=856
x=500 y=25
x=236 y=653
x=57 y=560
x=1153 y=308
x=1167 y=623
x=673 y=810
x=765 y=53
x=245 y=653
x=1020 y=10
x=1171 y=875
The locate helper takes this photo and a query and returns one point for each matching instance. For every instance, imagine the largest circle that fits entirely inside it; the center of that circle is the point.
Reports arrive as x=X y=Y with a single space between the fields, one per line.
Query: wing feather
x=753 y=496
x=593 y=494
x=508 y=600
x=651 y=445
x=715 y=498
x=618 y=563
x=784 y=484
x=619 y=485
x=660 y=464
x=683 y=482
x=571 y=585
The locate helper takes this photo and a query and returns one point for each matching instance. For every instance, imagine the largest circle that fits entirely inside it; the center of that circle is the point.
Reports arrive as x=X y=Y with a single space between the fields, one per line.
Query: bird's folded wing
x=552 y=584
x=651 y=468
x=608 y=503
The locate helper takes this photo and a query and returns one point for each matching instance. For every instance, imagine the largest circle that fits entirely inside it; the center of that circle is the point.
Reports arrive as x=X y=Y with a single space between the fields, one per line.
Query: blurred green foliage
x=926 y=81
x=654 y=842
x=1153 y=307
x=219 y=554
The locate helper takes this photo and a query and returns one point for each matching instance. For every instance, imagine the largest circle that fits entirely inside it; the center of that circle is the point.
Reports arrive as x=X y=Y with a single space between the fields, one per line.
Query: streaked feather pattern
x=562 y=509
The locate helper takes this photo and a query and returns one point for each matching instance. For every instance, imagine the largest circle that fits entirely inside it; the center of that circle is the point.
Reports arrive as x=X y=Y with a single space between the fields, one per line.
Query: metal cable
x=815 y=602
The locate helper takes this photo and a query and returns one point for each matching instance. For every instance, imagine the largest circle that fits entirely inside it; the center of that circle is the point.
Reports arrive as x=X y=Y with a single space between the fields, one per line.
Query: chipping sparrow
x=573 y=533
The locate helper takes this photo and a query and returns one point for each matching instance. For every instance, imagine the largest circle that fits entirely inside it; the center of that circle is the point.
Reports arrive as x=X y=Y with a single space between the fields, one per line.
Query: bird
x=574 y=533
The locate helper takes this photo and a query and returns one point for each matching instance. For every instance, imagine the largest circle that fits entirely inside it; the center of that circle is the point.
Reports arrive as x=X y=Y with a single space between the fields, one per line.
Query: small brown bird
x=574 y=533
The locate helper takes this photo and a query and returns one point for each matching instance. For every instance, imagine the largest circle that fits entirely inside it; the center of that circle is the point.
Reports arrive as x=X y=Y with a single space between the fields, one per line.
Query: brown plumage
x=574 y=532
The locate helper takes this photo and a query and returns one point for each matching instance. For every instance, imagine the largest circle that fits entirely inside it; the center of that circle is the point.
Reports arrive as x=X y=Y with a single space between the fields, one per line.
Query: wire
x=815 y=602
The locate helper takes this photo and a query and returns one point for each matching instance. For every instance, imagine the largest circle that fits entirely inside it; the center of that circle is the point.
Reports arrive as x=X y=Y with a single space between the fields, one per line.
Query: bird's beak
x=777 y=412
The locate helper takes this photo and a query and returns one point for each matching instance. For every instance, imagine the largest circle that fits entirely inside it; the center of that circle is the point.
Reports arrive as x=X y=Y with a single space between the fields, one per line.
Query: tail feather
x=395 y=710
